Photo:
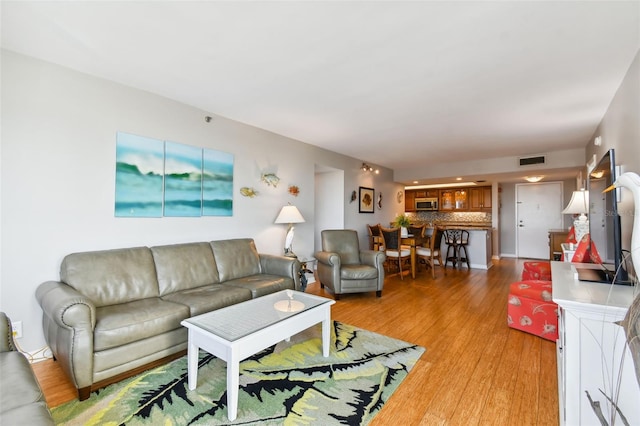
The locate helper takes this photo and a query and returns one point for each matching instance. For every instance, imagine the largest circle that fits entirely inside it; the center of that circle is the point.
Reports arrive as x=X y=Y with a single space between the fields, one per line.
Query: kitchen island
x=480 y=246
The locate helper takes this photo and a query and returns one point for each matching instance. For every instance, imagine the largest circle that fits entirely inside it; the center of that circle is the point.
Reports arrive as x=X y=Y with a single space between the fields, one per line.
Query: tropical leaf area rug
x=290 y=383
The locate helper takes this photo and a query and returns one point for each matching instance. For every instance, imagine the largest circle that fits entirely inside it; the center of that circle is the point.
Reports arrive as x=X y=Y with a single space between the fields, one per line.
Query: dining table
x=413 y=241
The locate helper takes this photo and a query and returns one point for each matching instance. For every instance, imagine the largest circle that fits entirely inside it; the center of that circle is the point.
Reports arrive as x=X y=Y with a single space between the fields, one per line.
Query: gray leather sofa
x=21 y=400
x=115 y=313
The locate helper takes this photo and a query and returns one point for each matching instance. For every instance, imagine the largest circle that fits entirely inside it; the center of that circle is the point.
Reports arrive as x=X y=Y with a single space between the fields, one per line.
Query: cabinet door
x=409 y=201
x=460 y=197
x=432 y=193
x=446 y=199
x=421 y=193
x=480 y=199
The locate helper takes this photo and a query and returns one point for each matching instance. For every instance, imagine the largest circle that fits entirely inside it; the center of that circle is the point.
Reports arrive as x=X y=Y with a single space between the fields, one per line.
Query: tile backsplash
x=449 y=217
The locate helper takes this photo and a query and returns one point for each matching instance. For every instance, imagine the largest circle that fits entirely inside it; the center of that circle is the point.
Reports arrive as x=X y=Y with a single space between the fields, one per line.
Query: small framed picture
x=366 y=200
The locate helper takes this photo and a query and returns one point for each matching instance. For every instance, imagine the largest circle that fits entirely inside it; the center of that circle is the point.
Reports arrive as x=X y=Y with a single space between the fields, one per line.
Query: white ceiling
x=397 y=84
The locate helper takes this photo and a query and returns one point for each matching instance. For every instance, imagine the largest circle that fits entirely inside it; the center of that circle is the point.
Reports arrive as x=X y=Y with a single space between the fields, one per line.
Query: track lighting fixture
x=367 y=168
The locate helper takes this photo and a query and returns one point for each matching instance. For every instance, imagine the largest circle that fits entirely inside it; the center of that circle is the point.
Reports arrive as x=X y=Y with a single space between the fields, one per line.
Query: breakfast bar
x=479 y=247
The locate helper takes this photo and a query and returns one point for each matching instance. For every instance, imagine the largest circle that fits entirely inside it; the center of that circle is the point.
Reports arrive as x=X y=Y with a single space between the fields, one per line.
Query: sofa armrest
x=69 y=319
x=281 y=265
x=6 y=335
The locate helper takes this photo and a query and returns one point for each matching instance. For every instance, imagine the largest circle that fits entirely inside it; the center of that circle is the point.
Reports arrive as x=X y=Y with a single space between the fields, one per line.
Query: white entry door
x=538 y=209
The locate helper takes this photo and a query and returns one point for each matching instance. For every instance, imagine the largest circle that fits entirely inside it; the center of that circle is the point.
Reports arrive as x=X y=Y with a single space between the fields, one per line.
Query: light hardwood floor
x=475 y=371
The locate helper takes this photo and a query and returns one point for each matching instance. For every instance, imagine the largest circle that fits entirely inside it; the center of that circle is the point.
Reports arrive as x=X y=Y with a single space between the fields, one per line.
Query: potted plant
x=403 y=222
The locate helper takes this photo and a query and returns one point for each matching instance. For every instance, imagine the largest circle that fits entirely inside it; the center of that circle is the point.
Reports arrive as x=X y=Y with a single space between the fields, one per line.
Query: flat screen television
x=604 y=224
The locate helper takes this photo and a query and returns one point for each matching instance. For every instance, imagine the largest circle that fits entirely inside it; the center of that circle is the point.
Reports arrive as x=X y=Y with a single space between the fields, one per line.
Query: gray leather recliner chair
x=344 y=268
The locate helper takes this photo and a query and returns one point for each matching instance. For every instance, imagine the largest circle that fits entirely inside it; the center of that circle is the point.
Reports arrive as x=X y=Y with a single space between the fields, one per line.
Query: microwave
x=426 y=204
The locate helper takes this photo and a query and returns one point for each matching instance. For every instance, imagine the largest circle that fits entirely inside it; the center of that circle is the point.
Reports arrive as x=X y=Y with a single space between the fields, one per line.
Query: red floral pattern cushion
x=536 y=271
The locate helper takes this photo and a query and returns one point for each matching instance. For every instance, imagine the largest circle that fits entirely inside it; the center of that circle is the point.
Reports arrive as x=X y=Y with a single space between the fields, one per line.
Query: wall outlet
x=16 y=327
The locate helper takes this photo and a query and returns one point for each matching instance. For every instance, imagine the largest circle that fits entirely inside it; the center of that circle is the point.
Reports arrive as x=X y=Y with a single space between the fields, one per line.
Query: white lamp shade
x=289 y=214
x=579 y=203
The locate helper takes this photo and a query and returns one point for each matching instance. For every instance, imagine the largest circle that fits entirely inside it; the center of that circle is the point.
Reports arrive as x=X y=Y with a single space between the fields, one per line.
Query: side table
x=306 y=267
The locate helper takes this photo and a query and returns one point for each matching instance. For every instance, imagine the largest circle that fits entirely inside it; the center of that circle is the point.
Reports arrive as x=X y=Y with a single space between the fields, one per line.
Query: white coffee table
x=239 y=331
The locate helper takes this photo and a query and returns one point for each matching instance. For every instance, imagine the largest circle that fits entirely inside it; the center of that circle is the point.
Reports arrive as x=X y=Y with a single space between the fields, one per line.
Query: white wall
x=58 y=171
x=620 y=129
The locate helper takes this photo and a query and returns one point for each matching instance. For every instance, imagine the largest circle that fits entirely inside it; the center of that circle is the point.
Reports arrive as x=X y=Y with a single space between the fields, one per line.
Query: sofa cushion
x=110 y=277
x=536 y=270
x=35 y=413
x=533 y=289
x=236 y=258
x=120 y=324
x=262 y=284
x=19 y=386
x=184 y=266
x=208 y=298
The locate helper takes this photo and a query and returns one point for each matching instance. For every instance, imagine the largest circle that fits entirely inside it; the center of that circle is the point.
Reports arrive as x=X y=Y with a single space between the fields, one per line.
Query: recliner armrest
x=372 y=257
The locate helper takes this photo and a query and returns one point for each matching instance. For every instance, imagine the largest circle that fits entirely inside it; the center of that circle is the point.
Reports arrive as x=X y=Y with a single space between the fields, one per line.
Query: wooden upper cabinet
x=409 y=200
x=456 y=199
x=461 y=199
x=447 y=202
x=426 y=193
x=480 y=198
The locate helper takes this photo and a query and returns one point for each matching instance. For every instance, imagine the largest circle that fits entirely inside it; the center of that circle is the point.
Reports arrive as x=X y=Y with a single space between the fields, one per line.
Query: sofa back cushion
x=184 y=266
x=109 y=277
x=236 y=258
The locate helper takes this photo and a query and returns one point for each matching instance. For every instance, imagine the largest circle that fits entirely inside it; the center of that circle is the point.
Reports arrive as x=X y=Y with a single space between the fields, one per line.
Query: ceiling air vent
x=530 y=161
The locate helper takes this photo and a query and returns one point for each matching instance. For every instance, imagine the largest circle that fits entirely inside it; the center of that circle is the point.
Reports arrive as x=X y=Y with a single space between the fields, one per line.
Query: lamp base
x=581 y=228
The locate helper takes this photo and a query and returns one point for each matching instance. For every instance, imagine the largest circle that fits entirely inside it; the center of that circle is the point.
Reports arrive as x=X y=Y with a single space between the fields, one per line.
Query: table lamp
x=579 y=205
x=289 y=214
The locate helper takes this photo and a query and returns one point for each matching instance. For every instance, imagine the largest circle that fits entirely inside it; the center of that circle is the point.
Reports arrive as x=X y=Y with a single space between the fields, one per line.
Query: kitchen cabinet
x=475 y=199
x=480 y=199
x=426 y=193
x=454 y=199
x=409 y=201
x=446 y=200
x=593 y=357
x=461 y=199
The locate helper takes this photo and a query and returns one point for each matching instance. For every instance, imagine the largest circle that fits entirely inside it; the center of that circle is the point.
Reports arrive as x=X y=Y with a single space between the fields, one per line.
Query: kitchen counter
x=461 y=225
x=480 y=241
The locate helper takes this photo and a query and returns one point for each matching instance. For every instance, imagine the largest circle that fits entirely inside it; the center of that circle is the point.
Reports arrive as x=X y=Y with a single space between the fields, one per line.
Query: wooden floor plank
x=475 y=371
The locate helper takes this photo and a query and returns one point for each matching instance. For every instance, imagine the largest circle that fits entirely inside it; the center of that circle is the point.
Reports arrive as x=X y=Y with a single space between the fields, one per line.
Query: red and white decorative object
x=532 y=310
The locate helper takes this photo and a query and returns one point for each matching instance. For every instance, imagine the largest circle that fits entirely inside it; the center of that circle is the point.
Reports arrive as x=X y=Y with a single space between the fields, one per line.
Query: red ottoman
x=537 y=271
x=531 y=309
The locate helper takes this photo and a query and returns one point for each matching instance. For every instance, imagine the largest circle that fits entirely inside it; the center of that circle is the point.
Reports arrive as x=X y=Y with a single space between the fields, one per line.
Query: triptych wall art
x=157 y=178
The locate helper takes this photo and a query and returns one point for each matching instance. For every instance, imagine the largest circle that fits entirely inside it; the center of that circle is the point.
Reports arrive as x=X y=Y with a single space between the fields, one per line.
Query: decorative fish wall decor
x=270 y=179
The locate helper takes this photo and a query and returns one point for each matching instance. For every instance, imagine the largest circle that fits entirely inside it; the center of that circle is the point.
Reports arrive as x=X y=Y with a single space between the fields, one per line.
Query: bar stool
x=457 y=241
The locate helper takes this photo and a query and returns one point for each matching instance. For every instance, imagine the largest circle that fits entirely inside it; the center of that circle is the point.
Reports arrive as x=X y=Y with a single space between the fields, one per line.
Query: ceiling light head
x=533 y=179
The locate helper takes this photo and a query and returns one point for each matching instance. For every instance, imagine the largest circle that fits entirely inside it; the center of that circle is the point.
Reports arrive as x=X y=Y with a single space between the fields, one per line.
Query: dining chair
x=419 y=234
x=392 y=245
x=430 y=255
x=375 y=239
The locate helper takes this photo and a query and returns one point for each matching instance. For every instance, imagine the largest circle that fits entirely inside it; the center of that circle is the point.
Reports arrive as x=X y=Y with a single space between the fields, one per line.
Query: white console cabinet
x=592 y=350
